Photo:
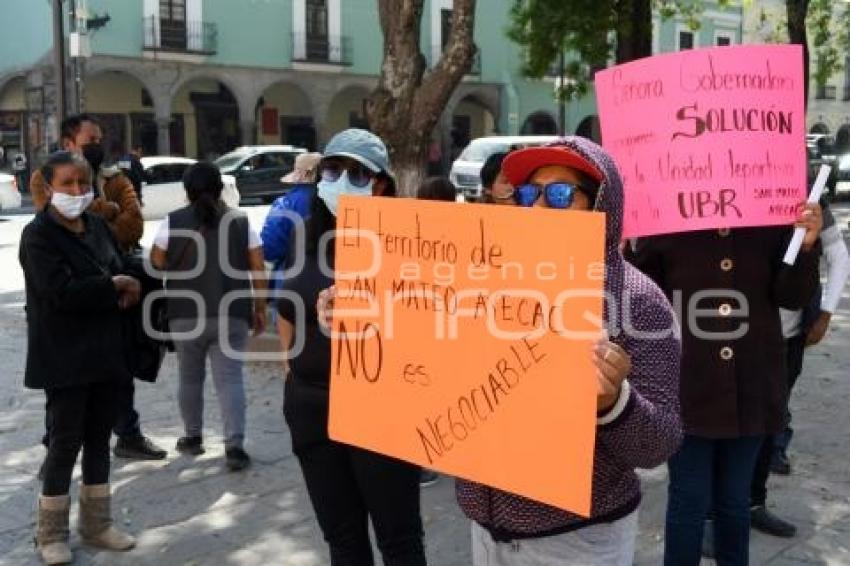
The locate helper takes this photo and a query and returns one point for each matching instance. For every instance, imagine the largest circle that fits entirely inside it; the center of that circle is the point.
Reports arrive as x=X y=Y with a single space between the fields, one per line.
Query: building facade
x=199 y=77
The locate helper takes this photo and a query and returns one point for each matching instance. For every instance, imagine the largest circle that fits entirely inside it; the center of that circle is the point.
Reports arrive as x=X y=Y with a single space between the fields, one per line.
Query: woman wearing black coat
x=730 y=284
x=75 y=290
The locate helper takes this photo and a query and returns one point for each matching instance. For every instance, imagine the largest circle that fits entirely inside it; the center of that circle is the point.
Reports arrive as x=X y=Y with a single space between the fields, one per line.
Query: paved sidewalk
x=194 y=512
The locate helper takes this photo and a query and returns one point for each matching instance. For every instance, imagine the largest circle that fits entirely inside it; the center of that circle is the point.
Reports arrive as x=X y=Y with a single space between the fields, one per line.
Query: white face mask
x=329 y=191
x=71 y=207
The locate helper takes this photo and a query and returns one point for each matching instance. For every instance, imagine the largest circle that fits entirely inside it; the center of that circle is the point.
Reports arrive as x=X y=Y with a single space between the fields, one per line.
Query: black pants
x=794 y=348
x=81 y=418
x=347 y=486
x=126 y=418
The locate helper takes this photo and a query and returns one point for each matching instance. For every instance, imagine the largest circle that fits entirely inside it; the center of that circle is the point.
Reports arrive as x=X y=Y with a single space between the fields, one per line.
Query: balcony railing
x=180 y=36
x=826 y=92
x=329 y=50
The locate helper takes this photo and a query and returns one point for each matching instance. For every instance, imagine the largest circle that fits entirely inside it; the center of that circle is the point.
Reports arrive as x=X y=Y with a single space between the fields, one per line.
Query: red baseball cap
x=519 y=165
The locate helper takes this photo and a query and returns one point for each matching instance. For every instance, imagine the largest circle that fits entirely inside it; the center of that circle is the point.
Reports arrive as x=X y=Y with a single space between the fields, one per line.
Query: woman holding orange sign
x=348 y=486
x=638 y=422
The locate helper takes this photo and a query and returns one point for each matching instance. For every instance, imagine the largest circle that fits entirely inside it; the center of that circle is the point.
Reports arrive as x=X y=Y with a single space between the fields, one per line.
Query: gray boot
x=96 y=520
x=51 y=535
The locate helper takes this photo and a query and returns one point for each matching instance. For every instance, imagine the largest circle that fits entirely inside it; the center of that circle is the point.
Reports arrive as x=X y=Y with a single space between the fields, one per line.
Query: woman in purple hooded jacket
x=638 y=422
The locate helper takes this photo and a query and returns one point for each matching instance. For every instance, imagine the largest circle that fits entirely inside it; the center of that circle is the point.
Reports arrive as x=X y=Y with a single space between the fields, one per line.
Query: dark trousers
x=81 y=418
x=347 y=487
x=794 y=348
x=126 y=418
x=710 y=474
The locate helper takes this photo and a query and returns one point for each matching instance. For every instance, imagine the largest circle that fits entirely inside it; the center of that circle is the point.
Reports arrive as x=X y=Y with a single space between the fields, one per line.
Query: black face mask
x=93 y=152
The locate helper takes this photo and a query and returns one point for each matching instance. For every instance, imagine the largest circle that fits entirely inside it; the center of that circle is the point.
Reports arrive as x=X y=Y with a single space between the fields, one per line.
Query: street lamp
x=59 y=58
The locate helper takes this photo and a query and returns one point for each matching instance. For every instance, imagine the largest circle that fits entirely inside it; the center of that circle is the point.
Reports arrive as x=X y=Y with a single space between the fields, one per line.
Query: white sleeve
x=254 y=240
x=160 y=240
x=619 y=406
x=837 y=271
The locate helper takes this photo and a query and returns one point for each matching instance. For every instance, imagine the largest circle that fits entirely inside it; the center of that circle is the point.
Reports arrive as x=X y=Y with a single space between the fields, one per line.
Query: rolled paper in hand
x=800 y=233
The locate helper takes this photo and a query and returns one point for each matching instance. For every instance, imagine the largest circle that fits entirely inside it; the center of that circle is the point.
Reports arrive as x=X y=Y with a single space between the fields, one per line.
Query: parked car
x=162 y=188
x=815 y=160
x=466 y=170
x=259 y=168
x=9 y=195
x=824 y=145
x=842 y=176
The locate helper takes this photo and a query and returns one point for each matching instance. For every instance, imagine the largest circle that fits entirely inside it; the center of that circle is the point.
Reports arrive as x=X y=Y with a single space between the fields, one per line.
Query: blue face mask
x=330 y=191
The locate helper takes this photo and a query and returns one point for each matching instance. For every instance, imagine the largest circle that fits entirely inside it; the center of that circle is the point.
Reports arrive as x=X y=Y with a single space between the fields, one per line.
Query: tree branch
x=454 y=63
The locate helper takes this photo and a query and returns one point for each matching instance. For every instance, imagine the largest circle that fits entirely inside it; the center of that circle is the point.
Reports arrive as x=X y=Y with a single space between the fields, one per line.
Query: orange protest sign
x=462 y=341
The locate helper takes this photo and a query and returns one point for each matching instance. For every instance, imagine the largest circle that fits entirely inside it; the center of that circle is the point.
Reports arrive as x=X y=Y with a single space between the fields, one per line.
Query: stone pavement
x=188 y=511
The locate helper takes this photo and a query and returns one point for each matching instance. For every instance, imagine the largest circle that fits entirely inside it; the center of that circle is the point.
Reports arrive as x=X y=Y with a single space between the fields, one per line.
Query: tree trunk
x=634 y=30
x=407 y=103
x=797 y=10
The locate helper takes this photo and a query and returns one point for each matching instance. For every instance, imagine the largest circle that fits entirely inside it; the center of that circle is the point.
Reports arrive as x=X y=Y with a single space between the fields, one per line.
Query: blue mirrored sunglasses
x=556 y=195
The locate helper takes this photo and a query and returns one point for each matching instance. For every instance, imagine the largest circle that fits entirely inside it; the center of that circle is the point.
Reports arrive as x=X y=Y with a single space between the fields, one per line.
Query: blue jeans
x=710 y=474
x=226 y=372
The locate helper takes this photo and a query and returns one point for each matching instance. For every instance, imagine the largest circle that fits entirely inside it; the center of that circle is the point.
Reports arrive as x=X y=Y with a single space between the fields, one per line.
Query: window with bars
x=172 y=22
x=174 y=10
x=318 y=43
x=445 y=27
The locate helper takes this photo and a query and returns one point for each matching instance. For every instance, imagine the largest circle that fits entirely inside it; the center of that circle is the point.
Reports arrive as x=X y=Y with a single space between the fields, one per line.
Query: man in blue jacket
x=277 y=229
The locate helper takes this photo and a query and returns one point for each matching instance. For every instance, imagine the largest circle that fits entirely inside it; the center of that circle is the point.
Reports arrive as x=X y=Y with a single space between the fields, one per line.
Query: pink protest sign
x=707 y=138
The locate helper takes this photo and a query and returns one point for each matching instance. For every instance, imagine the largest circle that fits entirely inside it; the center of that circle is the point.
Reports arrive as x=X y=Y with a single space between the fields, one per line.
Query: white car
x=466 y=170
x=9 y=195
x=842 y=175
x=162 y=189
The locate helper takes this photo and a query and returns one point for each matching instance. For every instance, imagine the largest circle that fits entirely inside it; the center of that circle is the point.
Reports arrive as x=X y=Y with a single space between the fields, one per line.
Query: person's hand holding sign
x=613 y=365
x=811 y=218
x=325 y=307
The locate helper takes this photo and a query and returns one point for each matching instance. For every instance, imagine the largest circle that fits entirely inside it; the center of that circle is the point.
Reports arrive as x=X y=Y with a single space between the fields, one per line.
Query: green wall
x=360 y=24
x=27 y=33
x=250 y=32
x=257 y=33
x=123 y=34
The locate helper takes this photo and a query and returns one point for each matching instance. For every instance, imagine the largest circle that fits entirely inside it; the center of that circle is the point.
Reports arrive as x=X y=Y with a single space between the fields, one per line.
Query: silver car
x=466 y=170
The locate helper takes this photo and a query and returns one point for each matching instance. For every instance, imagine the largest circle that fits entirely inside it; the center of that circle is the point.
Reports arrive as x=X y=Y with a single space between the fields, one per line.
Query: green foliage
x=829 y=33
x=584 y=29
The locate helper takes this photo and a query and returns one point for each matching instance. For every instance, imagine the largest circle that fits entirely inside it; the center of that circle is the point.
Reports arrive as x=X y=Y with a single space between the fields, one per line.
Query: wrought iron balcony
x=328 y=50
x=180 y=36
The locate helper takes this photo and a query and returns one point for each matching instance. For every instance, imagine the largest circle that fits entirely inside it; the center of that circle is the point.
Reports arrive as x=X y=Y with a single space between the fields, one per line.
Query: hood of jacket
x=609 y=199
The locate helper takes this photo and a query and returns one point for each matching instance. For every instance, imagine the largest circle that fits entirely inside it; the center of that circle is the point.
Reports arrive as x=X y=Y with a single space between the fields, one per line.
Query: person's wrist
x=616 y=409
x=609 y=404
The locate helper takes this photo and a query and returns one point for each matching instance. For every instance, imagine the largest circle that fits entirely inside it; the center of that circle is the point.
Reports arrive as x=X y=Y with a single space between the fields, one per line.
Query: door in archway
x=298 y=131
x=461 y=134
x=217 y=119
x=114 y=129
x=143 y=133
x=539 y=124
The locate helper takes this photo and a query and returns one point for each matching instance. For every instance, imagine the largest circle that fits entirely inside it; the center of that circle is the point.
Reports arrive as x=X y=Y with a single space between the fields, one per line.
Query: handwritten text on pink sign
x=707 y=138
